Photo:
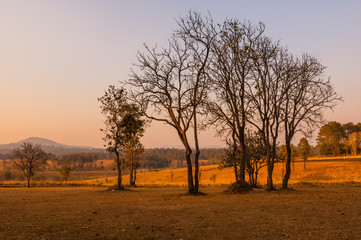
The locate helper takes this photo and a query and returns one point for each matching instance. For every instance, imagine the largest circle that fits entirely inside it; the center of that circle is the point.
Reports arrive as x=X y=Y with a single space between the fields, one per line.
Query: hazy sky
x=58 y=57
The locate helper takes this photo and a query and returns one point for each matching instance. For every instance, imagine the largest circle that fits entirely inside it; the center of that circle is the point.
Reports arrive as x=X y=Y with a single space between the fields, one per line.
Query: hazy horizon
x=58 y=57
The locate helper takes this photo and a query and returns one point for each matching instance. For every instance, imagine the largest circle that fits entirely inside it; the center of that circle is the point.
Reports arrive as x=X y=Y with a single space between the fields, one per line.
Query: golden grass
x=315 y=173
x=335 y=158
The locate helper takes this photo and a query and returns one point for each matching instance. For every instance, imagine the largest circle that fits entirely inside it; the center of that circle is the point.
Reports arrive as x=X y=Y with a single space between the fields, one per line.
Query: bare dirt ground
x=308 y=212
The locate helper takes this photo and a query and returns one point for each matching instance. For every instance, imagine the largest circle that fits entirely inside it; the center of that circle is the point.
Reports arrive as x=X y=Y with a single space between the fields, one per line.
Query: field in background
x=316 y=172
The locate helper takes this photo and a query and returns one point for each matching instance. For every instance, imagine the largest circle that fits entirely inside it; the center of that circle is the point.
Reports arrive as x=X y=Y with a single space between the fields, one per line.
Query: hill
x=48 y=146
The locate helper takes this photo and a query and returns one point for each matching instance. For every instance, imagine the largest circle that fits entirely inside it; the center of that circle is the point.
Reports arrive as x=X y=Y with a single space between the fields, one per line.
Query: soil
x=307 y=212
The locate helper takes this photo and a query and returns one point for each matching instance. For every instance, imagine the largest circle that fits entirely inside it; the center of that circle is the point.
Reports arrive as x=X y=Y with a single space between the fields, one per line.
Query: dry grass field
x=316 y=172
x=308 y=212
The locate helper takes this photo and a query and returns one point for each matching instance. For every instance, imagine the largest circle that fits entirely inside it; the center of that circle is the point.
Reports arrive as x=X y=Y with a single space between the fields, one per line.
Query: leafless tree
x=231 y=70
x=171 y=84
x=266 y=94
x=308 y=94
x=29 y=158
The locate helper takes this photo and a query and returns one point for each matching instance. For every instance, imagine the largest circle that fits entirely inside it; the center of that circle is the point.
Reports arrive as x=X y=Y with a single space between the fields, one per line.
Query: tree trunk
x=242 y=167
x=28 y=178
x=234 y=155
x=270 y=165
x=196 y=170
x=304 y=163
x=255 y=178
x=269 y=175
x=134 y=177
x=288 y=166
x=191 y=189
x=182 y=135
x=196 y=157
x=119 y=186
x=131 y=174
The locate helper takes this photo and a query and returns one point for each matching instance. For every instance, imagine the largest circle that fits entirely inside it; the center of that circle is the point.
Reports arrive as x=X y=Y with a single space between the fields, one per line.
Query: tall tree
x=134 y=148
x=354 y=141
x=171 y=84
x=348 y=141
x=350 y=128
x=199 y=34
x=231 y=69
x=307 y=94
x=303 y=150
x=266 y=94
x=122 y=124
x=29 y=158
x=329 y=138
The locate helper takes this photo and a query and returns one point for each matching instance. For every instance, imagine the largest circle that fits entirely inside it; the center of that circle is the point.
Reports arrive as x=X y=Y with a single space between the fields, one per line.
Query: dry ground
x=308 y=212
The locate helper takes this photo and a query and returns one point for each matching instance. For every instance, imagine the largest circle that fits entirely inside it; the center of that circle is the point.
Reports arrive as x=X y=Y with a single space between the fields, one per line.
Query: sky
x=58 y=57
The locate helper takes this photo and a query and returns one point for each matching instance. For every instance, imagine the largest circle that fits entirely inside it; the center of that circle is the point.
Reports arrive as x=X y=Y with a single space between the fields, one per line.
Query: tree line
x=336 y=139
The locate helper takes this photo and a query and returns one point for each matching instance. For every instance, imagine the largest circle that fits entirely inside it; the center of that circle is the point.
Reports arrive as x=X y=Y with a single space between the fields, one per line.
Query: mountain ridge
x=48 y=146
x=41 y=141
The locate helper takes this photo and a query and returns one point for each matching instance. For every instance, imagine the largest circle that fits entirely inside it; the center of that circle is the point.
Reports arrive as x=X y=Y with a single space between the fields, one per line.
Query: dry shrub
x=239 y=187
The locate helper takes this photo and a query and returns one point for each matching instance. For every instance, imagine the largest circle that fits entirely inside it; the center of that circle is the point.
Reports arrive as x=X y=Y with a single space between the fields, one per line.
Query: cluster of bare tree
x=233 y=77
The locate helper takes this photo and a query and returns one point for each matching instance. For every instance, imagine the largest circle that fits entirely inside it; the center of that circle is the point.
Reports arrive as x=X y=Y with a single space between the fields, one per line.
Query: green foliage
x=64 y=172
x=303 y=149
x=56 y=177
x=82 y=160
x=329 y=139
x=39 y=177
x=123 y=120
x=256 y=156
x=6 y=174
x=354 y=142
x=336 y=139
x=282 y=152
x=213 y=178
x=123 y=125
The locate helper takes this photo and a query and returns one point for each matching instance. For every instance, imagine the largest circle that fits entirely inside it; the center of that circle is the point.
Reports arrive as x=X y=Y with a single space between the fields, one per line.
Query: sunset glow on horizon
x=58 y=57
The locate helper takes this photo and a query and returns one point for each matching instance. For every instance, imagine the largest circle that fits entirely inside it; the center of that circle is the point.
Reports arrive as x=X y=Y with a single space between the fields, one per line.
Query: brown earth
x=308 y=212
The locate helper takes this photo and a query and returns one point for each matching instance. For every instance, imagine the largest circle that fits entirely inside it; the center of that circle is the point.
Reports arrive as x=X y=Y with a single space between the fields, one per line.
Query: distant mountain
x=48 y=146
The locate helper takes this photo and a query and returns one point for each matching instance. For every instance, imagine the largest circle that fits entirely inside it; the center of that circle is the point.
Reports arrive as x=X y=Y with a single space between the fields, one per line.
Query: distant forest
x=153 y=158
x=333 y=139
x=336 y=139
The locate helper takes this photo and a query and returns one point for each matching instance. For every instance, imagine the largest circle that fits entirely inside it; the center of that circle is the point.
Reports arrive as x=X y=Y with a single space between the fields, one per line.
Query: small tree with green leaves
x=123 y=124
x=256 y=158
x=303 y=150
x=134 y=148
x=64 y=172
